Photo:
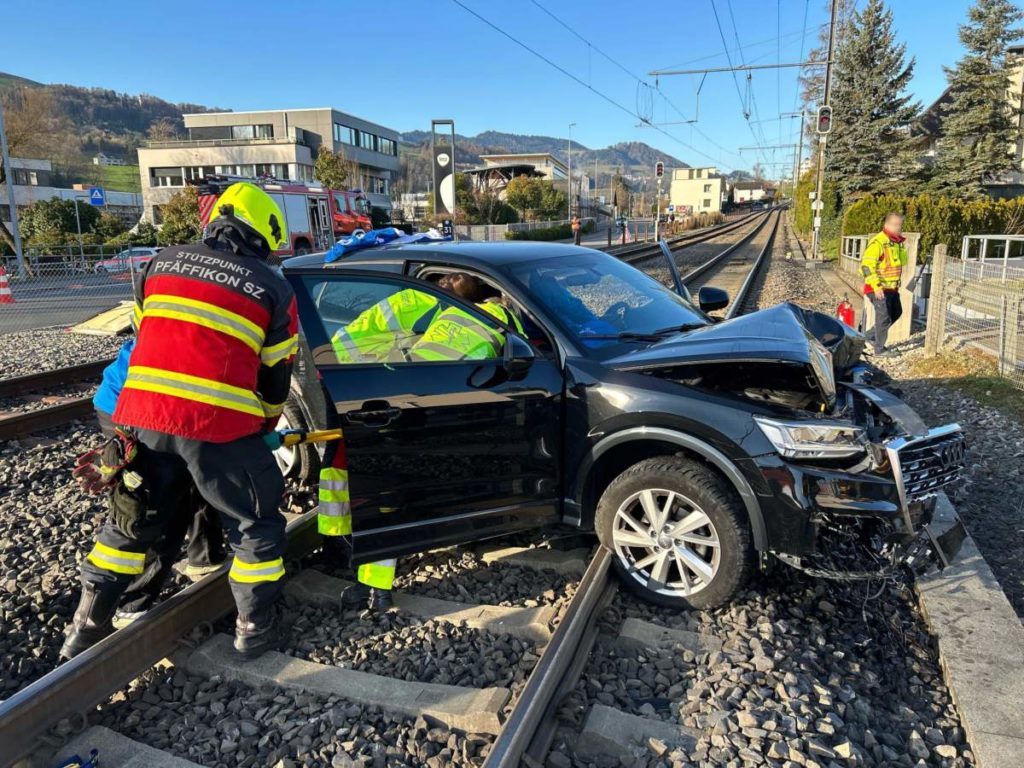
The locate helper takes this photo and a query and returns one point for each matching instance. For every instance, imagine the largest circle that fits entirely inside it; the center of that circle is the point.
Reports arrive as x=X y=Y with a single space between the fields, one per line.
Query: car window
x=369 y=321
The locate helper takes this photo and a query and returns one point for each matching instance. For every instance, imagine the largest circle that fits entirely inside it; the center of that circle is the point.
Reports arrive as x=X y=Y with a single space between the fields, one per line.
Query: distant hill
x=9 y=81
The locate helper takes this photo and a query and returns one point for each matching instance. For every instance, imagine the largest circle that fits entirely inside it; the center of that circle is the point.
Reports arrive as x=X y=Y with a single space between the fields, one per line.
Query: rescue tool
x=288 y=437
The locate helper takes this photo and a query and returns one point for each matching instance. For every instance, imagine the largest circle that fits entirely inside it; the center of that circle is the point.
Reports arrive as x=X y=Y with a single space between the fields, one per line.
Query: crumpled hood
x=784 y=334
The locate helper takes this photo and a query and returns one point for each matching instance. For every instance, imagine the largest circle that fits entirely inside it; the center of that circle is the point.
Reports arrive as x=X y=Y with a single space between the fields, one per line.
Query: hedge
x=559 y=232
x=938 y=219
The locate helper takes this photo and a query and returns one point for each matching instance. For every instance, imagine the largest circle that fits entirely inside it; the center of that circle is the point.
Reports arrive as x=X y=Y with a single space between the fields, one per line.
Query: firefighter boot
x=91 y=622
x=379 y=602
x=255 y=636
x=354 y=595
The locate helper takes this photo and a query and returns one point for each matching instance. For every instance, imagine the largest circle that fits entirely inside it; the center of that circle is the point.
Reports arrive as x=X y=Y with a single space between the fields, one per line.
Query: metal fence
x=488 y=232
x=977 y=301
x=63 y=285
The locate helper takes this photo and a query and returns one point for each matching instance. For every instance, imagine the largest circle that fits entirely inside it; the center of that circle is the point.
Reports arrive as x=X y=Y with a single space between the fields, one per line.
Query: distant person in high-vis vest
x=882 y=268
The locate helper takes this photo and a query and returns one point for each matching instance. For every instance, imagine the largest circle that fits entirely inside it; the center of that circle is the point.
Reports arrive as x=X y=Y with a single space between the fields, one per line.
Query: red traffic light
x=824 y=120
x=659 y=169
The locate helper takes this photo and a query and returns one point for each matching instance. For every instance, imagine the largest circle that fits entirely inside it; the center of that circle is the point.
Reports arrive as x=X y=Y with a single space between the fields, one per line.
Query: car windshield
x=606 y=304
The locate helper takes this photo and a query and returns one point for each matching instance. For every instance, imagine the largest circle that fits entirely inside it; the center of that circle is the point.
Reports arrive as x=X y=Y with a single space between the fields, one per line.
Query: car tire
x=301 y=462
x=719 y=554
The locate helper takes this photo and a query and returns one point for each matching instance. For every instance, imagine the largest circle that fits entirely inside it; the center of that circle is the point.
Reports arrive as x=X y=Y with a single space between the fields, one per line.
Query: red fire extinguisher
x=845 y=312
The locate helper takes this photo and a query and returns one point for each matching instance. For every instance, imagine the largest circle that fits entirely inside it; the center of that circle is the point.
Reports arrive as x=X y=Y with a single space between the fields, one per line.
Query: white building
x=278 y=143
x=696 y=190
x=33 y=182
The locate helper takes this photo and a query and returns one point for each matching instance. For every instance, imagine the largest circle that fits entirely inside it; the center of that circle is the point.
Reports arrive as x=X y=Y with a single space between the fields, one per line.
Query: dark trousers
x=888 y=310
x=194 y=520
x=239 y=479
x=577 y=236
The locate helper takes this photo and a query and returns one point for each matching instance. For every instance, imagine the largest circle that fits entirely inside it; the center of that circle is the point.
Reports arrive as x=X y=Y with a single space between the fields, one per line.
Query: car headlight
x=812 y=439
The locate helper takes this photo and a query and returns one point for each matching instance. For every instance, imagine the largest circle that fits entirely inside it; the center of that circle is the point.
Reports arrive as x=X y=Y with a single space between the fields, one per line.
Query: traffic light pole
x=818 y=204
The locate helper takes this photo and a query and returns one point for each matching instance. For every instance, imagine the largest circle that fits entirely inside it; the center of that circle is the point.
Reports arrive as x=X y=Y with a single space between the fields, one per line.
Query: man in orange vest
x=882 y=267
x=576 y=229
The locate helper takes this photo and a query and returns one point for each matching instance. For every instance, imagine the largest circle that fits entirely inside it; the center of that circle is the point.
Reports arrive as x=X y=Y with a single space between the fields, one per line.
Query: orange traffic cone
x=6 y=297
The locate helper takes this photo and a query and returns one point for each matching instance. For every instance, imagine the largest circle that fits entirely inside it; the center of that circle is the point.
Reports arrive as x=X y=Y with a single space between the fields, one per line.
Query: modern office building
x=278 y=143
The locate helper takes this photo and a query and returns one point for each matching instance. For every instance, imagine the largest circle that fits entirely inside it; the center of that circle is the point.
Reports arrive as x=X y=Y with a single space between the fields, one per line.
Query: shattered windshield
x=606 y=304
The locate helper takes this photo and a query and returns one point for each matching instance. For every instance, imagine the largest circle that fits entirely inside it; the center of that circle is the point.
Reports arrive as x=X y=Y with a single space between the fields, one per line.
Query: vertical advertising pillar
x=442 y=153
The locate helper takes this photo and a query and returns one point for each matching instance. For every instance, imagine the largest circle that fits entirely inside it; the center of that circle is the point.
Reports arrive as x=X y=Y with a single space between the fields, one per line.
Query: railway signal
x=659 y=169
x=824 y=120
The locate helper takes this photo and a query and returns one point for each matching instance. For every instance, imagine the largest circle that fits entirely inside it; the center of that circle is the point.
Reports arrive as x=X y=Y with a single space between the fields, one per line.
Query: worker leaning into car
x=217 y=332
x=380 y=333
x=196 y=520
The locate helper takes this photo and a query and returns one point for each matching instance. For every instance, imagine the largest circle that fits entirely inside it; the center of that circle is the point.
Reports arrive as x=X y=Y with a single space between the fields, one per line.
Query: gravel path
x=46 y=527
x=35 y=351
x=219 y=723
x=991 y=497
x=463 y=576
x=406 y=647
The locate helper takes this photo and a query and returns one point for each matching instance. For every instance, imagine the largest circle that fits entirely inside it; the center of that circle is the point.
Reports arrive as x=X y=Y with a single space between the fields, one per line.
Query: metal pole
x=569 y=186
x=16 y=233
x=799 y=153
x=821 y=143
x=78 y=224
x=657 y=212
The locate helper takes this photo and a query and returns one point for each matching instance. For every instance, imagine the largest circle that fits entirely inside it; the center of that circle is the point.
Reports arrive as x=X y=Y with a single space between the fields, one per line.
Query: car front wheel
x=679 y=536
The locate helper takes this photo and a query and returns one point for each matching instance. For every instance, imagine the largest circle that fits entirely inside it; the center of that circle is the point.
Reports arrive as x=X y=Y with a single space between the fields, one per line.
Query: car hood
x=785 y=334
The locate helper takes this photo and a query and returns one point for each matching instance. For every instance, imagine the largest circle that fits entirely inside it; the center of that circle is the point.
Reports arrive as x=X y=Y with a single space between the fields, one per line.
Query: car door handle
x=376 y=415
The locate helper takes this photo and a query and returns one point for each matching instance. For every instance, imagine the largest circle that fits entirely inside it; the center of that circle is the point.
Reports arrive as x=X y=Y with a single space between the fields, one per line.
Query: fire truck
x=316 y=215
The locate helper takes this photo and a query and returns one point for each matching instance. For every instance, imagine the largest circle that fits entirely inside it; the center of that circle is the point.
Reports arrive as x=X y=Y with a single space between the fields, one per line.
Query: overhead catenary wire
x=590 y=88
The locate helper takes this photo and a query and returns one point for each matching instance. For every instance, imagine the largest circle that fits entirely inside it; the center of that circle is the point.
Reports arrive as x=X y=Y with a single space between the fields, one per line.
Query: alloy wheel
x=666 y=542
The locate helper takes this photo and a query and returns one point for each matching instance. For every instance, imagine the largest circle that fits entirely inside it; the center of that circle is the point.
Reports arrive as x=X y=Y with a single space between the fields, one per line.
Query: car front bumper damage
x=865 y=523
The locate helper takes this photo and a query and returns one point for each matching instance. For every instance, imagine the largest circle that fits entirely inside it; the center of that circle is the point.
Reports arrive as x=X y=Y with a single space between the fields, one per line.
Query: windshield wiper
x=677 y=329
x=624 y=336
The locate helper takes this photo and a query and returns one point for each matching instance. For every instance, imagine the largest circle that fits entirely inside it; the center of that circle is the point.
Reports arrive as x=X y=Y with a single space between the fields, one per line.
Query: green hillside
x=8 y=80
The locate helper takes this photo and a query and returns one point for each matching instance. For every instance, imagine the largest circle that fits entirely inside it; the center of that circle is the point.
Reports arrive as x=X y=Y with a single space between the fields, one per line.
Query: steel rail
x=21 y=424
x=714 y=261
x=747 y=288
x=641 y=252
x=557 y=659
x=77 y=686
x=35 y=382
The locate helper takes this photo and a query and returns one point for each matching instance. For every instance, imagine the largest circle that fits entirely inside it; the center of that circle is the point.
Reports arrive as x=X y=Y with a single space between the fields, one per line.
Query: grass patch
x=975 y=375
x=121 y=178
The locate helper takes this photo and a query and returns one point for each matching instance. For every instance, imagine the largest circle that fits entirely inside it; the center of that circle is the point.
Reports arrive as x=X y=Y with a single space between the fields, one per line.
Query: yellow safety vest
x=373 y=335
x=882 y=263
x=456 y=335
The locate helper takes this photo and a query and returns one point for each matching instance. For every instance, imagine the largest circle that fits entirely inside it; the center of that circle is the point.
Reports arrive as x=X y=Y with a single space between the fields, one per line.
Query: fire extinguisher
x=845 y=312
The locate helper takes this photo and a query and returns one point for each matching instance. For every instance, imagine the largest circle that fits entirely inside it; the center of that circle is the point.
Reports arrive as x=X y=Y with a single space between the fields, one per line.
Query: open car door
x=440 y=451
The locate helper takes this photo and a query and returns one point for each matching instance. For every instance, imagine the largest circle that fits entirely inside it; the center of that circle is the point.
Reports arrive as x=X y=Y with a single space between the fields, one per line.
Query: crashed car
x=698 y=450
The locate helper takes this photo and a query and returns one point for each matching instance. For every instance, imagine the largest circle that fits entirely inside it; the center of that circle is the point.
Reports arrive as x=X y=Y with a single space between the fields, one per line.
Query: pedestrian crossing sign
x=97 y=196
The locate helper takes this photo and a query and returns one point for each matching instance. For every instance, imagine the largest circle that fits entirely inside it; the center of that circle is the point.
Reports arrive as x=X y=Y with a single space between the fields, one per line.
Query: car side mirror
x=519 y=357
x=710 y=298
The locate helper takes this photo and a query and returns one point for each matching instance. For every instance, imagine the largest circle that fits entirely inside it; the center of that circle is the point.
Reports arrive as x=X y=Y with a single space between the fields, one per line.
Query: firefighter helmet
x=254 y=208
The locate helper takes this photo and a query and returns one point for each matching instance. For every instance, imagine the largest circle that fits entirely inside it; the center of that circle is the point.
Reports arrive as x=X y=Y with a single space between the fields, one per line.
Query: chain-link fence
x=63 y=285
x=977 y=301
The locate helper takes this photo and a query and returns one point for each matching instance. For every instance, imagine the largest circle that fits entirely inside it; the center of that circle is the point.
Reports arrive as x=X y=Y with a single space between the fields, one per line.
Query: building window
x=387 y=146
x=274 y=170
x=376 y=184
x=25 y=177
x=264 y=131
x=707 y=188
x=707 y=203
x=344 y=134
x=557 y=173
x=366 y=140
x=166 y=177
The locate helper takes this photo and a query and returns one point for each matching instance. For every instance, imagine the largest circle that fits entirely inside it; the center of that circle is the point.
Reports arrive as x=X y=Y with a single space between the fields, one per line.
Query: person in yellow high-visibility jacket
x=380 y=332
x=882 y=268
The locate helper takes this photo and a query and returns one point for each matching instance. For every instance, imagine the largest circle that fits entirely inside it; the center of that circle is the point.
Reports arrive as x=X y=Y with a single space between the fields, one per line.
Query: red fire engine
x=316 y=215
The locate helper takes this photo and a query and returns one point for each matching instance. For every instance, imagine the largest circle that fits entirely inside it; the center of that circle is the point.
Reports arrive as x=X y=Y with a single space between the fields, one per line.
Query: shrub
x=559 y=232
x=938 y=219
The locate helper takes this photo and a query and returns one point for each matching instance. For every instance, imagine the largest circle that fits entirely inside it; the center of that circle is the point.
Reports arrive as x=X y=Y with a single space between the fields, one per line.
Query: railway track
x=522 y=729
x=635 y=254
x=20 y=416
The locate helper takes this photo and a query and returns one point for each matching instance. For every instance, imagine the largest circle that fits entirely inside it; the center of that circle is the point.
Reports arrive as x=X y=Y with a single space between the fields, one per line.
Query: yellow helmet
x=252 y=206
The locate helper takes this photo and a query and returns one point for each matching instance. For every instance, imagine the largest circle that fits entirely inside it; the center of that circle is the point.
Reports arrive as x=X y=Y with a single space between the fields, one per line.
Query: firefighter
x=452 y=334
x=217 y=333
x=378 y=333
x=882 y=267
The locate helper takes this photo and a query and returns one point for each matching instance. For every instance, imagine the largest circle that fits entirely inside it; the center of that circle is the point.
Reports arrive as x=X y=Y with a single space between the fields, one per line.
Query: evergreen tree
x=869 y=146
x=979 y=126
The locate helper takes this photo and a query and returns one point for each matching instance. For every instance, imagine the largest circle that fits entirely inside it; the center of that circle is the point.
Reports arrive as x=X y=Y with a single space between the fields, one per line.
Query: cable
x=576 y=79
x=728 y=58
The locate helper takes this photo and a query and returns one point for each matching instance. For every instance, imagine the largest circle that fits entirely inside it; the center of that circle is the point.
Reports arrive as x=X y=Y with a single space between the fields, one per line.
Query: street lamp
x=570 y=170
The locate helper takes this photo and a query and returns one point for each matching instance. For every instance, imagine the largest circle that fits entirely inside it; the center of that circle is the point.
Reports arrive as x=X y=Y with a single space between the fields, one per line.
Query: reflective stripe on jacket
x=381 y=328
x=455 y=334
x=334 y=513
x=882 y=263
x=216 y=335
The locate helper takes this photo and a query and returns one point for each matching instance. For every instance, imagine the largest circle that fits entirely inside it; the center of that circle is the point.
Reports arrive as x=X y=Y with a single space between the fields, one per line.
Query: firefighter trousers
x=240 y=479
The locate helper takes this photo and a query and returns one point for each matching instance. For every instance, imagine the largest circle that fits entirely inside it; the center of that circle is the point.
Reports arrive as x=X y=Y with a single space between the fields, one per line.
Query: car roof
x=494 y=255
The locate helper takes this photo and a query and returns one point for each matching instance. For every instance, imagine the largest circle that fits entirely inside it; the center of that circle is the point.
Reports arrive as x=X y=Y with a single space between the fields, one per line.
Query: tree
x=162 y=129
x=109 y=226
x=36 y=128
x=181 y=218
x=869 y=144
x=524 y=194
x=330 y=168
x=491 y=209
x=979 y=127
x=53 y=221
x=553 y=202
x=757 y=172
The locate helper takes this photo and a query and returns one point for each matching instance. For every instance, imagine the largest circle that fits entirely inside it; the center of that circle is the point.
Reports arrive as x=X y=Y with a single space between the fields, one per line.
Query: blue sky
x=403 y=62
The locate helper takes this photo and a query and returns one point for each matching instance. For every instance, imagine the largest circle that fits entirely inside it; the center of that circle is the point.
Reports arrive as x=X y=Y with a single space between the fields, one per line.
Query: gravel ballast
x=27 y=352
x=215 y=722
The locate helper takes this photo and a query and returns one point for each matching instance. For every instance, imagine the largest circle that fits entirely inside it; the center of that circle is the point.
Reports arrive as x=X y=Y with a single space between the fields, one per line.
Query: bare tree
x=162 y=129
